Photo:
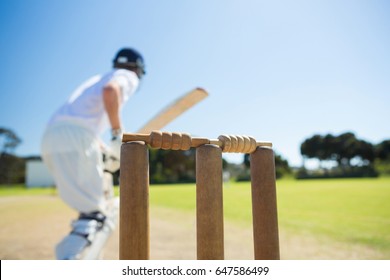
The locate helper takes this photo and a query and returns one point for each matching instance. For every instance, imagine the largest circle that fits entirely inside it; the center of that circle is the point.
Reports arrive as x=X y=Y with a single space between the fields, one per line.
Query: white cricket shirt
x=85 y=106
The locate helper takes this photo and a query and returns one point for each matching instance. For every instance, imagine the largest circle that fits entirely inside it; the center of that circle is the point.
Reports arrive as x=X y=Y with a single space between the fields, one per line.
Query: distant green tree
x=352 y=155
x=382 y=150
x=9 y=140
x=168 y=166
x=11 y=167
x=382 y=155
x=342 y=149
x=348 y=147
x=281 y=166
x=313 y=147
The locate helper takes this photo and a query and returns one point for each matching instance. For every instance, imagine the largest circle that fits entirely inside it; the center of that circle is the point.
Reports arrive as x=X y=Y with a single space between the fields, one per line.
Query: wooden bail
x=264 y=208
x=209 y=203
x=134 y=229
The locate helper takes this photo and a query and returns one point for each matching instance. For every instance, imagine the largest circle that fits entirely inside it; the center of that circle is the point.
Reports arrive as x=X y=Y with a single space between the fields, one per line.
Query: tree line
x=348 y=155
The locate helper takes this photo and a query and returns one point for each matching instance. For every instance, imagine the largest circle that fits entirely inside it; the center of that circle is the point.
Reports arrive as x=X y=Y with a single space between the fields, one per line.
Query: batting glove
x=116 y=143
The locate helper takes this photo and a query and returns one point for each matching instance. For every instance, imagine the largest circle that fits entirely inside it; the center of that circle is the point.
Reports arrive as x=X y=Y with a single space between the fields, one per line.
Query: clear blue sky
x=278 y=70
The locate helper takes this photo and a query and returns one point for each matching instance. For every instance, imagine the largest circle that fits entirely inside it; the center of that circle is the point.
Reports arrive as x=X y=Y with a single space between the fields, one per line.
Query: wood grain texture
x=264 y=206
x=134 y=228
x=209 y=203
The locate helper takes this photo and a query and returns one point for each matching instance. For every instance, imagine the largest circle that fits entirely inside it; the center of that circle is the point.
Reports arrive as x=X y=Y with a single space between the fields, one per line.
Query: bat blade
x=174 y=109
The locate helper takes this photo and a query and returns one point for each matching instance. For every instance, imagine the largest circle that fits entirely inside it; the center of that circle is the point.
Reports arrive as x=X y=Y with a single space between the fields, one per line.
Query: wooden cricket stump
x=134 y=228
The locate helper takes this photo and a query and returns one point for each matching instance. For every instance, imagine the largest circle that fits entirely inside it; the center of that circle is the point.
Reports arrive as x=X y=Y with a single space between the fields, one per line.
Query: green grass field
x=348 y=210
x=352 y=211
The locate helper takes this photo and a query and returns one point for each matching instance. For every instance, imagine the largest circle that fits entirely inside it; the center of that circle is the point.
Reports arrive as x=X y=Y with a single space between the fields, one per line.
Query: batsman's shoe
x=84 y=231
x=112 y=216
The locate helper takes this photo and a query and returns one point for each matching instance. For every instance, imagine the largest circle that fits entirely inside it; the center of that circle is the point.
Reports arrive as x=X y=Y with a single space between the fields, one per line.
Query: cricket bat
x=174 y=109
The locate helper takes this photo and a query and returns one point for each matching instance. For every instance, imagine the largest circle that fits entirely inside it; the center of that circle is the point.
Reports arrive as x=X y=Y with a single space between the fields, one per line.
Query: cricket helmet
x=130 y=59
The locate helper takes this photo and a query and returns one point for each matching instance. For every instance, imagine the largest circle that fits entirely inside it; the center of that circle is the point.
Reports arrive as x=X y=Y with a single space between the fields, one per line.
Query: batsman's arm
x=112 y=101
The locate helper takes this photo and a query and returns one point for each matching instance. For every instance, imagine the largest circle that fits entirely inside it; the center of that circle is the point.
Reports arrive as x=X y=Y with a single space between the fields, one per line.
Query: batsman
x=81 y=163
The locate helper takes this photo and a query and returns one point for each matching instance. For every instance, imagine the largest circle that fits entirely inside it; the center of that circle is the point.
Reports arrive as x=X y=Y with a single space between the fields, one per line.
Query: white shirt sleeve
x=128 y=82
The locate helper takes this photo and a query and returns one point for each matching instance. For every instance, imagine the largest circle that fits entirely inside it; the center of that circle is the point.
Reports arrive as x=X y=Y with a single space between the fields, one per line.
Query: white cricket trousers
x=74 y=157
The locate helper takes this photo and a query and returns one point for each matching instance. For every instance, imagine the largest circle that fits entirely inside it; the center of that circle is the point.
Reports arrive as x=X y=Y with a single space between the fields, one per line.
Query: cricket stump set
x=134 y=234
